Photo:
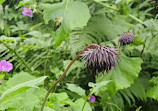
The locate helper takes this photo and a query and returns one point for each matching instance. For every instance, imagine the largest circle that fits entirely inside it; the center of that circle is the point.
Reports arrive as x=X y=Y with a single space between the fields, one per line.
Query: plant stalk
x=106 y=5
x=58 y=80
x=116 y=9
x=29 y=68
x=136 y=19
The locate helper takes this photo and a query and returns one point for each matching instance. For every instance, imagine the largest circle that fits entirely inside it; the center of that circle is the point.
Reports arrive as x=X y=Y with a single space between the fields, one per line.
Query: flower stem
x=106 y=5
x=58 y=80
x=110 y=7
x=136 y=19
x=29 y=68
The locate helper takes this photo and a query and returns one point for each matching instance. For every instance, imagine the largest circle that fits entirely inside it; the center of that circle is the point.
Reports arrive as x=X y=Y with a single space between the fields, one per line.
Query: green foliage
x=14 y=90
x=70 y=19
x=101 y=31
x=76 y=89
x=124 y=77
x=102 y=86
x=40 y=49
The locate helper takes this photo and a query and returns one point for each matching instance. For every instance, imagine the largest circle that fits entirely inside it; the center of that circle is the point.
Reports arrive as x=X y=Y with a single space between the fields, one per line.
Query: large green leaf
x=76 y=89
x=67 y=10
x=21 y=87
x=31 y=97
x=125 y=72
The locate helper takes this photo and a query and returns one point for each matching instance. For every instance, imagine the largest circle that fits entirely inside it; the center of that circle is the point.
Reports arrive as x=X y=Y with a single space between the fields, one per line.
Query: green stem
x=136 y=19
x=29 y=68
x=58 y=80
x=106 y=5
x=90 y=93
x=2 y=75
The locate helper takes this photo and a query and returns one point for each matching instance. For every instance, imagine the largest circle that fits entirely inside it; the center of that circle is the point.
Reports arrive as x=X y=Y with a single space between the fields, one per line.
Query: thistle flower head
x=5 y=66
x=100 y=59
x=126 y=38
x=27 y=12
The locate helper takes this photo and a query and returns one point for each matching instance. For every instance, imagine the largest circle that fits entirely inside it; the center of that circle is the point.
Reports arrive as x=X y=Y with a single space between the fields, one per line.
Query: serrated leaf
x=125 y=73
x=76 y=89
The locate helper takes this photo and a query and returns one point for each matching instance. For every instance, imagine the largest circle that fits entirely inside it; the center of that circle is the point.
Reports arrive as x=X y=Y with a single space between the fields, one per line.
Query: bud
x=100 y=59
x=58 y=21
x=126 y=38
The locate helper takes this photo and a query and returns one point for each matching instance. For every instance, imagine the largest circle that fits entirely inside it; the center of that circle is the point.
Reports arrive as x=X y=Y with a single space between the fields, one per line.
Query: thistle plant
x=100 y=59
x=97 y=59
x=126 y=38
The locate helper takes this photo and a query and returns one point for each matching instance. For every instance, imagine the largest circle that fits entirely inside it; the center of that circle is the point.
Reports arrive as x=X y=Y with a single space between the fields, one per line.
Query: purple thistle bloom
x=92 y=98
x=100 y=59
x=5 y=66
x=126 y=38
x=27 y=12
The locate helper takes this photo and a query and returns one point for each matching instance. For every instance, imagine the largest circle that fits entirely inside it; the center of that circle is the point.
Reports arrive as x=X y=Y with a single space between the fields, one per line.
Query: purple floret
x=92 y=98
x=5 y=66
x=27 y=12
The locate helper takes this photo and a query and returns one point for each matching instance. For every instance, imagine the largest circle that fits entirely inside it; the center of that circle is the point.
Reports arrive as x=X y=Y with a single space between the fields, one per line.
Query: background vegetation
x=40 y=49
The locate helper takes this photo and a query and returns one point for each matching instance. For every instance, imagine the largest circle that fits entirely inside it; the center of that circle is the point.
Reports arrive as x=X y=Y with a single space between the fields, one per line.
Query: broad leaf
x=31 y=97
x=67 y=10
x=20 y=88
x=125 y=72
